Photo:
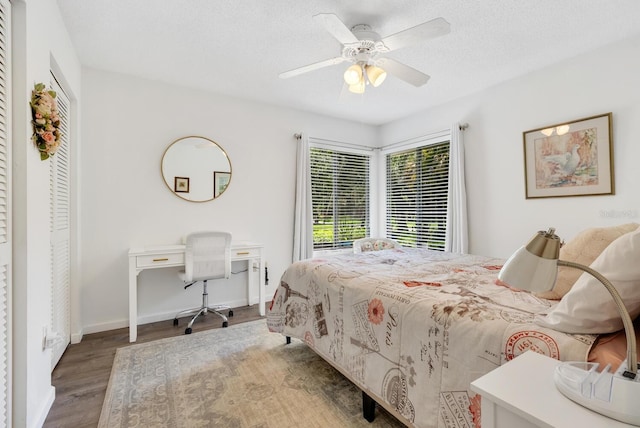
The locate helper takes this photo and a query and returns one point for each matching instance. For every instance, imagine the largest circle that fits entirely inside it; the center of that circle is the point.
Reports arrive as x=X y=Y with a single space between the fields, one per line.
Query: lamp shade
x=376 y=75
x=353 y=74
x=533 y=267
x=357 y=88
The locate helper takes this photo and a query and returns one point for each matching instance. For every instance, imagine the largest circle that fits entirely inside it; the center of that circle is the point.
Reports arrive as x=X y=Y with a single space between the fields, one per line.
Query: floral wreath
x=45 y=120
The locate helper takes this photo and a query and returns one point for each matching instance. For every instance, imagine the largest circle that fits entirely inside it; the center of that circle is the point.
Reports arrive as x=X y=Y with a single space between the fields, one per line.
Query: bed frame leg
x=368 y=407
x=288 y=340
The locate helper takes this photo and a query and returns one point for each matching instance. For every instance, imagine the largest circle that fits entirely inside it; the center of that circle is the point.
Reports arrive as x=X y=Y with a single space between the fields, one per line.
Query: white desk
x=522 y=394
x=165 y=256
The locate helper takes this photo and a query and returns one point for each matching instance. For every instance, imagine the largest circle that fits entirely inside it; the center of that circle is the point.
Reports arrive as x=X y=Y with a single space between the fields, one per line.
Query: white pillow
x=588 y=307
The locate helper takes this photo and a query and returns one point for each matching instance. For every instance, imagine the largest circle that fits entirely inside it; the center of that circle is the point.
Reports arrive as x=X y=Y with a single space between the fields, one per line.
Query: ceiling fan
x=365 y=49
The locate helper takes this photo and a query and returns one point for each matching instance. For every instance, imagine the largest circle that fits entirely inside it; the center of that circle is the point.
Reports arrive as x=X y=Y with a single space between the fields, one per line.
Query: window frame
x=316 y=143
x=414 y=143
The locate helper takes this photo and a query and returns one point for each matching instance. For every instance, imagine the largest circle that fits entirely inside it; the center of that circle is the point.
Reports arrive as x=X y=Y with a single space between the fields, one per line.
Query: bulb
x=357 y=88
x=353 y=74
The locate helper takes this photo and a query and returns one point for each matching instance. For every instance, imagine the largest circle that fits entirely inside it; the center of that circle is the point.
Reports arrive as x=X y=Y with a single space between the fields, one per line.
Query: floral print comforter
x=414 y=327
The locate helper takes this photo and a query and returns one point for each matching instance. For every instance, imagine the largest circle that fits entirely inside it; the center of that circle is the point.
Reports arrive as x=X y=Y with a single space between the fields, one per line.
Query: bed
x=413 y=327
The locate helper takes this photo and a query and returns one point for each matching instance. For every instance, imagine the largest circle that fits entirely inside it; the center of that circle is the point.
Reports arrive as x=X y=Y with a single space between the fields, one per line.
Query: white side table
x=522 y=394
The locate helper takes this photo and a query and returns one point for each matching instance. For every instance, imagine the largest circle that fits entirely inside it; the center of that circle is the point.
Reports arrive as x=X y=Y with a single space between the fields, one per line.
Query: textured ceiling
x=238 y=47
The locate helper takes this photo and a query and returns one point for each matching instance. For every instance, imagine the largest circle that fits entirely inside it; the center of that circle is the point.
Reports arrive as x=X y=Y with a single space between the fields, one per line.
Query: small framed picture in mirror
x=181 y=184
x=220 y=182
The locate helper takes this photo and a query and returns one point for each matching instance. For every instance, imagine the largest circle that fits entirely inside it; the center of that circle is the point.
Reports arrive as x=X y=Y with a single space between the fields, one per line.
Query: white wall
x=500 y=218
x=40 y=43
x=127 y=125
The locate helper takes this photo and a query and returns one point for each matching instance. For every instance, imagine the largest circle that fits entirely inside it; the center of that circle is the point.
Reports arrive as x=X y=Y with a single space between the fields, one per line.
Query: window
x=340 y=195
x=417 y=192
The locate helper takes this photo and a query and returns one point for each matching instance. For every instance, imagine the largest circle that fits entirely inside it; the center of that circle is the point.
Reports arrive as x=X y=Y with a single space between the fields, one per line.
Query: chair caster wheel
x=175 y=321
x=225 y=324
x=230 y=313
x=187 y=331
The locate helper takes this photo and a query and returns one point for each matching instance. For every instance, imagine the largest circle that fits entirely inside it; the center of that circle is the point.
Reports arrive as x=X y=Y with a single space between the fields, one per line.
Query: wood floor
x=82 y=375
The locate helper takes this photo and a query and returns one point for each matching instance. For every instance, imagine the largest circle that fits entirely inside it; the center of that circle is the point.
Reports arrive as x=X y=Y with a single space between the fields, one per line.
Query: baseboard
x=44 y=411
x=146 y=319
x=112 y=325
x=76 y=337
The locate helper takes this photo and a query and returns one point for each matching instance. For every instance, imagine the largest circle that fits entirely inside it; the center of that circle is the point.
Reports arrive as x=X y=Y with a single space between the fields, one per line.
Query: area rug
x=240 y=376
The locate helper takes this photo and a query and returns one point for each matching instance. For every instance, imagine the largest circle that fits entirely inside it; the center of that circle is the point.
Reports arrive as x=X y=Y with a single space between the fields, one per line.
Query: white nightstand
x=522 y=394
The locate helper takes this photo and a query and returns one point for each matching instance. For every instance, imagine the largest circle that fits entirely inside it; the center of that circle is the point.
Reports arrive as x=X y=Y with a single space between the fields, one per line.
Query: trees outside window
x=340 y=195
x=417 y=193
x=417 y=186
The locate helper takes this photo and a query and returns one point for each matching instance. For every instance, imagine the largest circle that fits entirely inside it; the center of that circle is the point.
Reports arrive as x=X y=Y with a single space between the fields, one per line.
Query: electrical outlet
x=52 y=339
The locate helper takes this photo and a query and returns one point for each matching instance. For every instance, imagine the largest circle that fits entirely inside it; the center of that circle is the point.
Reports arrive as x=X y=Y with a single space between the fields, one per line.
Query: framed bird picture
x=570 y=159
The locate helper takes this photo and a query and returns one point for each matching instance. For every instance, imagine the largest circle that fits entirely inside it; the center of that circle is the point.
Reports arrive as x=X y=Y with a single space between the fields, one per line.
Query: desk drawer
x=245 y=253
x=160 y=260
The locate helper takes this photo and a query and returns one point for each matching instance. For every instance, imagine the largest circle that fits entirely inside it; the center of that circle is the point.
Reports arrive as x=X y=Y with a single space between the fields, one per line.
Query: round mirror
x=196 y=169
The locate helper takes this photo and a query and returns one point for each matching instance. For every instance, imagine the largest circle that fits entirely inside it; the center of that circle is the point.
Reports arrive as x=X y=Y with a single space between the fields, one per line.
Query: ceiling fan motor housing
x=367 y=48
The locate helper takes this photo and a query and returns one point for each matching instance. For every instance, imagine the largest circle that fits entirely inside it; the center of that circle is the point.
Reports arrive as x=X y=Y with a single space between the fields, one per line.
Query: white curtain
x=456 y=239
x=303 y=220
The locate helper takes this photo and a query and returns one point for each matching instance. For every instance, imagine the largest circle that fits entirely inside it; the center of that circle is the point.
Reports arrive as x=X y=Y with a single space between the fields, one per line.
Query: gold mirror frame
x=196 y=169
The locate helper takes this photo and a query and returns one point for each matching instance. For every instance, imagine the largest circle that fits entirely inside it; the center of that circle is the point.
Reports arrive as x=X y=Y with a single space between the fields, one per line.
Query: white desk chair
x=207 y=256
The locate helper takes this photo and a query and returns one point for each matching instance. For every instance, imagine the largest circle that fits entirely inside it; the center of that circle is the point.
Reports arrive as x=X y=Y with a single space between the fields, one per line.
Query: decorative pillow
x=588 y=307
x=366 y=246
x=583 y=249
x=378 y=244
x=373 y=244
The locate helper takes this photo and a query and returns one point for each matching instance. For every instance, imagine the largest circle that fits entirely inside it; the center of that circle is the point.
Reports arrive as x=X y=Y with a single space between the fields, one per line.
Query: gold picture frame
x=570 y=159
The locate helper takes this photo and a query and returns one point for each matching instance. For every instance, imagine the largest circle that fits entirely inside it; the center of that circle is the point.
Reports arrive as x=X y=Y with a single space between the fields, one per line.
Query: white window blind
x=340 y=195
x=417 y=189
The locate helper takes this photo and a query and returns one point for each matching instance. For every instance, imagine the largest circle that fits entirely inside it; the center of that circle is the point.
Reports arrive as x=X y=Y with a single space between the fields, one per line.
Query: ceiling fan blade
x=411 y=36
x=403 y=72
x=311 y=67
x=336 y=27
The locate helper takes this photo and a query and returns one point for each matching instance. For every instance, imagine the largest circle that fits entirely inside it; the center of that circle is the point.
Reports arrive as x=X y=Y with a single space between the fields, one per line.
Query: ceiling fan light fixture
x=353 y=75
x=357 y=88
x=376 y=75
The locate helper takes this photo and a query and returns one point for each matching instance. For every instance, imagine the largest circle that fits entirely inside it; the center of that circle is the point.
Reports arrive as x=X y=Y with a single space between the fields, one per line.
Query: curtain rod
x=429 y=136
x=462 y=126
x=334 y=143
x=298 y=136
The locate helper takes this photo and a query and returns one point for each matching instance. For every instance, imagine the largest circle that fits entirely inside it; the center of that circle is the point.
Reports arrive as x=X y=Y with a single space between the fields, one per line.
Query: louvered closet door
x=5 y=216
x=60 y=231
